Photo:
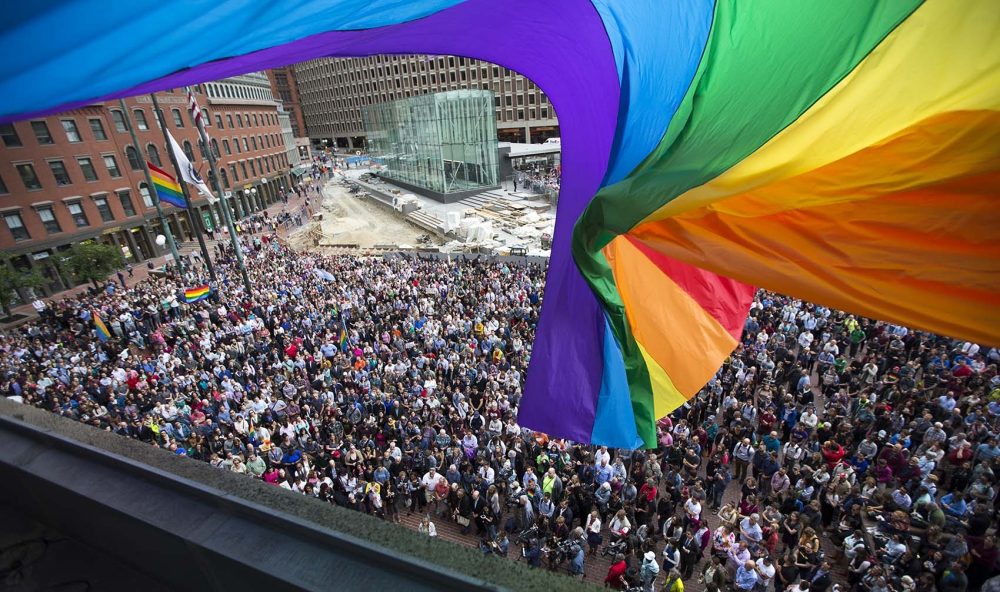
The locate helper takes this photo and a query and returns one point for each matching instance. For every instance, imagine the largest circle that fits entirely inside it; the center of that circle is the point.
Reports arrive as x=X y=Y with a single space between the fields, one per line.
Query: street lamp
x=161 y=240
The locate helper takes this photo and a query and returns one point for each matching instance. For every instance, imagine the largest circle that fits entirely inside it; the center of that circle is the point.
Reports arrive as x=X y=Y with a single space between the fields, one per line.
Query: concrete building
x=291 y=150
x=332 y=92
x=77 y=176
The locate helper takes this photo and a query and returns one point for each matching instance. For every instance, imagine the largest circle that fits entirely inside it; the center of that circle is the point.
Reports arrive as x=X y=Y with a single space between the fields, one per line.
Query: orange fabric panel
x=672 y=328
x=896 y=257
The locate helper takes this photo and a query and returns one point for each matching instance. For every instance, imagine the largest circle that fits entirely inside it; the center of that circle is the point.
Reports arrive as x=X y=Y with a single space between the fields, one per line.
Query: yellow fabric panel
x=946 y=146
x=928 y=257
x=684 y=339
x=666 y=397
x=944 y=57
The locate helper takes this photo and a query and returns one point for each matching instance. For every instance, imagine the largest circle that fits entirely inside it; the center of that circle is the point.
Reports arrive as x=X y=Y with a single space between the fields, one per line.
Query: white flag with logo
x=188 y=172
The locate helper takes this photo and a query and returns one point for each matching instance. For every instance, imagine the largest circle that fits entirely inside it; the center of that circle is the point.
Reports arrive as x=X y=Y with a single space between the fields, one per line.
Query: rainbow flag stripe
x=102 y=330
x=166 y=186
x=845 y=153
x=197 y=293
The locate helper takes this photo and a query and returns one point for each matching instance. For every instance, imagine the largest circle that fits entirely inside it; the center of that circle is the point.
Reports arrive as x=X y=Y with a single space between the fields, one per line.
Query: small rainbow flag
x=343 y=337
x=197 y=293
x=102 y=330
x=166 y=186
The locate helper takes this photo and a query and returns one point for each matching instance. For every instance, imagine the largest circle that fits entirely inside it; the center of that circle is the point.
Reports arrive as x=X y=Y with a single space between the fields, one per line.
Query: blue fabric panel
x=96 y=47
x=657 y=46
x=615 y=424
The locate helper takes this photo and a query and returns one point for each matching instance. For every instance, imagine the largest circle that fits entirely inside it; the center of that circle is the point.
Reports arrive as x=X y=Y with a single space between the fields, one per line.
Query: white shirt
x=692 y=507
x=765 y=572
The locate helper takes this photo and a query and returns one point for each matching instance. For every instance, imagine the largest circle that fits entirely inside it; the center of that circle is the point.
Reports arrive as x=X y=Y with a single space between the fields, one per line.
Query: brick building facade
x=77 y=176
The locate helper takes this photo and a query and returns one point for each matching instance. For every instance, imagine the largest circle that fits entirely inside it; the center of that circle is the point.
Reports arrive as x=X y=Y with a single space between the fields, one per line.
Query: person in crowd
x=384 y=383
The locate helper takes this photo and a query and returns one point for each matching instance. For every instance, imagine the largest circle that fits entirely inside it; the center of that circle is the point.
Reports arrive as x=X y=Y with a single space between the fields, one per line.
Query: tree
x=90 y=261
x=12 y=280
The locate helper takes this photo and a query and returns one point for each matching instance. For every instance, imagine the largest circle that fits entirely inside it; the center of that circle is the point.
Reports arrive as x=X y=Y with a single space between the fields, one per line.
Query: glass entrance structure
x=442 y=143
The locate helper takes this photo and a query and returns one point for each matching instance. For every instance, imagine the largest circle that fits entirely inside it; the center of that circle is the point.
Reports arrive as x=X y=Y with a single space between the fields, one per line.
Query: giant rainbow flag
x=843 y=152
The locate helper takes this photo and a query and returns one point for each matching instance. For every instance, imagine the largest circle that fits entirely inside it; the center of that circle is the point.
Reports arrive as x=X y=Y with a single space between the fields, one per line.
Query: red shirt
x=615 y=574
x=832 y=457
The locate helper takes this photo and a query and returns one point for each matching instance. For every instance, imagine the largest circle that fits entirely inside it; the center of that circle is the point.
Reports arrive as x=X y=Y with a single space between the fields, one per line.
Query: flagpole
x=150 y=187
x=213 y=166
x=196 y=221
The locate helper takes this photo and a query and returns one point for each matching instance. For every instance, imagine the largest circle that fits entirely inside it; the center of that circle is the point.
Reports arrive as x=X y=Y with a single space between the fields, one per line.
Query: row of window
x=46 y=214
x=228 y=90
x=61 y=175
x=29 y=177
x=262 y=165
x=245 y=119
x=11 y=139
x=43 y=135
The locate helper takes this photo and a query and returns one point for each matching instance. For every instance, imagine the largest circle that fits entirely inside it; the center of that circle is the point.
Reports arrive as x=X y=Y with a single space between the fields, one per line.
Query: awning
x=300 y=170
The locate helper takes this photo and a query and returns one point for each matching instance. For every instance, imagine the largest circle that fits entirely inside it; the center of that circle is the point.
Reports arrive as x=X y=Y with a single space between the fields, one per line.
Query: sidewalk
x=141 y=271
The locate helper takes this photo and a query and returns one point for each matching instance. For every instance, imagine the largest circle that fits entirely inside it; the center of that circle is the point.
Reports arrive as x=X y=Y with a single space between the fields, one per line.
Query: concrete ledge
x=445 y=198
x=195 y=527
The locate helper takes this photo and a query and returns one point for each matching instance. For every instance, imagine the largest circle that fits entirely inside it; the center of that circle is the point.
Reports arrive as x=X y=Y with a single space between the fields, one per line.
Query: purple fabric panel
x=562 y=46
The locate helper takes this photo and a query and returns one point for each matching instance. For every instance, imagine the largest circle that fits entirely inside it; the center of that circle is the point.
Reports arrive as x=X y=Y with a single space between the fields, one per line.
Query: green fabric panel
x=765 y=64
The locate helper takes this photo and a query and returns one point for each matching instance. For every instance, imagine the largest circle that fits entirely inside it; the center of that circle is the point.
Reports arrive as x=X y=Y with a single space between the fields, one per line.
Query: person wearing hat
x=648 y=571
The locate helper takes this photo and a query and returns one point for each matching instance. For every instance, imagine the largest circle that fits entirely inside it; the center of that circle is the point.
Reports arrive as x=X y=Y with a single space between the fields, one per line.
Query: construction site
x=358 y=210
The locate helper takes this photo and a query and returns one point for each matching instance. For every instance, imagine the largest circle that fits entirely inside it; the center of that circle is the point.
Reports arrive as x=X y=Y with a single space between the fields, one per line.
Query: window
x=103 y=208
x=48 y=218
x=239 y=120
x=154 y=154
x=236 y=144
x=28 y=176
x=207 y=116
x=232 y=170
x=144 y=192
x=225 y=178
x=133 y=158
x=201 y=149
x=188 y=151
x=112 y=166
x=243 y=166
x=229 y=120
x=9 y=135
x=3 y=186
x=215 y=148
x=178 y=120
x=126 y=200
x=72 y=133
x=255 y=119
x=254 y=141
x=247 y=115
x=59 y=172
x=119 y=119
x=42 y=134
x=218 y=121
x=140 y=119
x=78 y=215
x=88 y=169
x=97 y=128
x=246 y=145
x=253 y=170
x=16 y=226
x=225 y=146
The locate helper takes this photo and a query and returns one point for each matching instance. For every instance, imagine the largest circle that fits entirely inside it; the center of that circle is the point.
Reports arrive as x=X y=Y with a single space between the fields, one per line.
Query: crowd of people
x=542 y=180
x=390 y=385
